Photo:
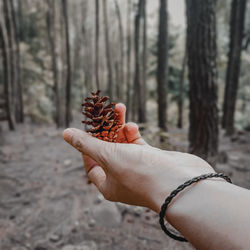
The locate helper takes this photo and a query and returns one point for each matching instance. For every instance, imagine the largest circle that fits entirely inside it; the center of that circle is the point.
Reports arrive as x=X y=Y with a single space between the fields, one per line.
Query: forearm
x=212 y=214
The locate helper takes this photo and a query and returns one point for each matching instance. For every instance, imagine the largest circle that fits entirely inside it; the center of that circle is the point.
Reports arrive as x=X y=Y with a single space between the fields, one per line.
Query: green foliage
x=36 y=72
x=247 y=127
x=174 y=84
x=174 y=71
x=28 y=27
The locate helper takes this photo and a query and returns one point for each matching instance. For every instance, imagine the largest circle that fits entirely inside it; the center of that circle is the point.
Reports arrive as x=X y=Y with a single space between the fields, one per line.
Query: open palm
x=128 y=133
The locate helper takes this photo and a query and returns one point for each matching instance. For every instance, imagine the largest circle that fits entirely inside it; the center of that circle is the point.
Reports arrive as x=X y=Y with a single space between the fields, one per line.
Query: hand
x=134 y=172
x=128 y=133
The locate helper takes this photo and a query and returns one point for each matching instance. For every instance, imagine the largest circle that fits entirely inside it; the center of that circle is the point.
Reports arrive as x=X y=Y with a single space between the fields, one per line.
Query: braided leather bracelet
x=179 y=189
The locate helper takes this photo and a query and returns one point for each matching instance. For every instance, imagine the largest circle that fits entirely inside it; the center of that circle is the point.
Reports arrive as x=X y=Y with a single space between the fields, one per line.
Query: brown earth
x=46 y=203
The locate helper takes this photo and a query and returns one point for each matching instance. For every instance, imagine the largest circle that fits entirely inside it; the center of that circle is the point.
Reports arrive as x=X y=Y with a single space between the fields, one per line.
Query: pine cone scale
x=101 y=117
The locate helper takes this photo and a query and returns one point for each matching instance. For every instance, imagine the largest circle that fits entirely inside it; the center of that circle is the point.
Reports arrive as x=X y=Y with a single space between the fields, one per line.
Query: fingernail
x=67 y=134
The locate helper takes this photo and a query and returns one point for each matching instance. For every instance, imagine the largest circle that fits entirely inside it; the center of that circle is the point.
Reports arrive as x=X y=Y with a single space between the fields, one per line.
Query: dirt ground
x=46 y=204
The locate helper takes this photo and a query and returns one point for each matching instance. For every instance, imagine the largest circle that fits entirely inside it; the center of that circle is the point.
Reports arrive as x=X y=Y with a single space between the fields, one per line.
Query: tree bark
x=237 y=21
x=121 y=37
x=77 y=45
x=51 y=24
x=117 y=78
x=68 y=115
x=12 y=52
x=144 y=63
x=162 y=65
x=87 y=66
x=108 y=52
x=128 y=88
x=19 y=87
x=201 y=49
x=97 y=44
x=181 y=90
x=137 y=93
x=6 y=74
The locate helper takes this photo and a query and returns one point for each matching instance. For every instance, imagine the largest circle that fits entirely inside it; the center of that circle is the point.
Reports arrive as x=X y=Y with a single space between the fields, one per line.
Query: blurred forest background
x=54 y=53
x=181 y=68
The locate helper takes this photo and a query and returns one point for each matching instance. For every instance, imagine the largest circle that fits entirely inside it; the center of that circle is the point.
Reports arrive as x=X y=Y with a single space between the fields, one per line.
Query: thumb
x=86 y=144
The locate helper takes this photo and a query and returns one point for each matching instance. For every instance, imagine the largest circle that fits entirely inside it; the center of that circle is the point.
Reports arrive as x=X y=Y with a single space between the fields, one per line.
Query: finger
x=120 y=109
x=132 y=134
x=87 y=144
x=97 y=176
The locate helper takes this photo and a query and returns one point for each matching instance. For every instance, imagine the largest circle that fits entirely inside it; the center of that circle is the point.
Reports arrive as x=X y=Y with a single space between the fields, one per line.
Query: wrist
x=189 y=205
x=173 y=175
x=163 y=190
x=191 y=194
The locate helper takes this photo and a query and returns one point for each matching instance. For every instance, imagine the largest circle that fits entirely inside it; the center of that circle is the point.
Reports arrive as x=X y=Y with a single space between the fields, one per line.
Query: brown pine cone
x=101 y=117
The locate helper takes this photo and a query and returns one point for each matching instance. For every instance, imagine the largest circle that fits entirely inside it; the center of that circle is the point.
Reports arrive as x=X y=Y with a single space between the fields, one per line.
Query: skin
x=211 y=214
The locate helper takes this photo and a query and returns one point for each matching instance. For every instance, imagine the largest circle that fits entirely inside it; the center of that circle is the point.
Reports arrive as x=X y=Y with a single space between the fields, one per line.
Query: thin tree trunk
x=181 y=90
x=137 y=100
x=97 y=43
x=86 y=42
x=121 y=37
x=20 y=79
x=6 y=73
x=68 y=116
x=12 y=52
x=238 y=9
x=162 y=66
x=108 y=52
x=144 y=63
x=202 y=68
x=117 y=78
x=19 y=87
x=128 y=89
x=51 y=16
x=78 y=41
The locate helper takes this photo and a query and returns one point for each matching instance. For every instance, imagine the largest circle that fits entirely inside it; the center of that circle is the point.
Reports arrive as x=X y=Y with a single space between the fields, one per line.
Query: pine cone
x=102 y=117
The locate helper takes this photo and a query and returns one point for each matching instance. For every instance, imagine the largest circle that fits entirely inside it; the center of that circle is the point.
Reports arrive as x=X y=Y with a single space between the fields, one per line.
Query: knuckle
x=78 y=144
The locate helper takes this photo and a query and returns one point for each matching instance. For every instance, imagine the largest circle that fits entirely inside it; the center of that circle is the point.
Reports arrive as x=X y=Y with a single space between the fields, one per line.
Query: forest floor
x=46 y=203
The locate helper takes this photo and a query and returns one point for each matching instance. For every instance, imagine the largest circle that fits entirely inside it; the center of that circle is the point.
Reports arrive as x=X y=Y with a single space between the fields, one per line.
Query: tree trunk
x=97 y=44
x=117 y=78
x=181 y=90
x=77 y=46
x=87 y=66
x=20 y=76
x=137 y=96
x=201 y=49
x=6 y=74
x=108 y=52
x=162 y=65
x=51 y=24
x=12 y=52
x=144 y=63
x=128 y=89
x=68 y=115
x=19 y=87
x=121 y=74
x=237 y=21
